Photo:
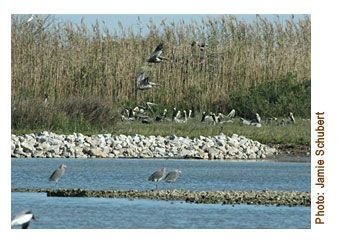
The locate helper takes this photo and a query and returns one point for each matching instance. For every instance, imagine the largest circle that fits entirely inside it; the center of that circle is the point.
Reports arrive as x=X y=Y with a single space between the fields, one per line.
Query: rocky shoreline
x=264 y=197
x=51 y=145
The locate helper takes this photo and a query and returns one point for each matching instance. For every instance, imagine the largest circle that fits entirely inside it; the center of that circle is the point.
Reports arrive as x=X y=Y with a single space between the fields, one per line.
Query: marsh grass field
x=89 y=75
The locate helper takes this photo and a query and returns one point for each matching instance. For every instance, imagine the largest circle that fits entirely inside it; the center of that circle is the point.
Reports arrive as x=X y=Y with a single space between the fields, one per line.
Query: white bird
x=271 y=120
x=258 y=118
x=189 y=114
x=244 y=121
x=179 y=120
x=220 y=117
x=143 y=82
x=291 y=117
x=209 y=118
x=178 y=115
x=30 y=19
x=231 y=114
x=162 y=116
x=23 y=219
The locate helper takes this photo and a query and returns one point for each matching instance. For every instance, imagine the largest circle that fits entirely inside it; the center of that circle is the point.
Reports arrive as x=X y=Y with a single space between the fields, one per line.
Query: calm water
x=132 y=174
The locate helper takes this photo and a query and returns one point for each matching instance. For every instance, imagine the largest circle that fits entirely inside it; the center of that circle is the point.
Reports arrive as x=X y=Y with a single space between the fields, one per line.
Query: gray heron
x=157 y=175
x=172 y=176
x=58 y=173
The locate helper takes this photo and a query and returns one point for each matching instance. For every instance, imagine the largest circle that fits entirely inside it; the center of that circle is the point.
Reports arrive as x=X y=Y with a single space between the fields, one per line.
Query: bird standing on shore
x=23 y=219
x=58 y=173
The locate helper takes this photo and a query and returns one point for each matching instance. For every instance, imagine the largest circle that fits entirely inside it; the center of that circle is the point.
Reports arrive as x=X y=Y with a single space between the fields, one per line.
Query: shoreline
x=220 y=147
x=50 y=145
x=231 y=197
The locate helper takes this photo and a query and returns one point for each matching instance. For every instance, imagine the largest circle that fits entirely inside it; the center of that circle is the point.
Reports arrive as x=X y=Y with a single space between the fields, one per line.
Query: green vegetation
x=89 y=74
x=297 y=134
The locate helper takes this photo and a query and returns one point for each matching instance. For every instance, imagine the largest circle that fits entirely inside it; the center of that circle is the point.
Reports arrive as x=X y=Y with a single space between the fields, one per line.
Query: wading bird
x=172 y=176
x=157 y=175
x=156 y=57
x=23 y=219
x=56 y=175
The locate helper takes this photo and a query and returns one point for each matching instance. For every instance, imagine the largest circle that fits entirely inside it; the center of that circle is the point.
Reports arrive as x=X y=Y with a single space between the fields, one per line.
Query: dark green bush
x=274 y=98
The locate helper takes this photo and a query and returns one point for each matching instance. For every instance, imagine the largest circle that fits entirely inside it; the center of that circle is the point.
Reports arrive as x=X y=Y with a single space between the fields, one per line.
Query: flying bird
x=23 y=219
x=156 y=57
x=143 y=82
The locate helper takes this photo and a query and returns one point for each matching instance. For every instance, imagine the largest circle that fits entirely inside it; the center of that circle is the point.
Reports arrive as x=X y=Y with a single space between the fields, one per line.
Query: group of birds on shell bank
x=146 y=114
x=24 y=218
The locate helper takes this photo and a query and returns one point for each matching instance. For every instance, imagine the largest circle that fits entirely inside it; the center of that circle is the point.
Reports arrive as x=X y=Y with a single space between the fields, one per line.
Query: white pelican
x=178 y=120
x=258 y=118
x=231 y=114
x=291 y=117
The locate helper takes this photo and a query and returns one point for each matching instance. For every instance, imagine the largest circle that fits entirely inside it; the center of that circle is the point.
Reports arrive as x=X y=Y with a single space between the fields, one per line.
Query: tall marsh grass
x=89 y=72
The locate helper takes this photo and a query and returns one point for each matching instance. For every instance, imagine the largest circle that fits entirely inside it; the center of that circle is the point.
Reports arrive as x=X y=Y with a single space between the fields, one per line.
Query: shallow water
x=129 y=174
x=83 y=213
x=54 y=212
